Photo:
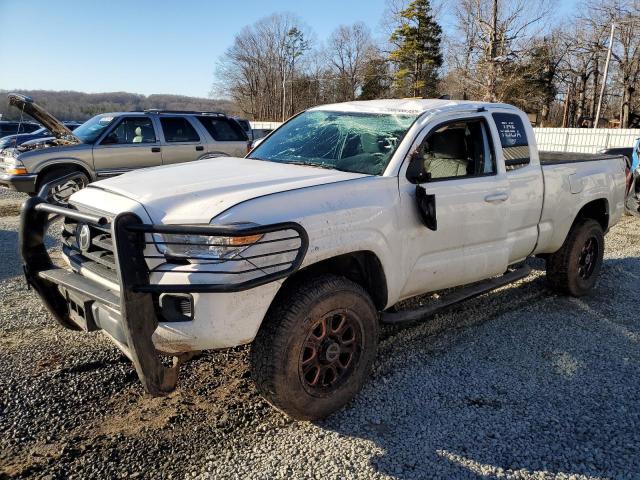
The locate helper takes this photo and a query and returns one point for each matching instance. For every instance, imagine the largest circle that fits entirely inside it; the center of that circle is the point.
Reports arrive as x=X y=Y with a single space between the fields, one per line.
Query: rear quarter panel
x=568 y=188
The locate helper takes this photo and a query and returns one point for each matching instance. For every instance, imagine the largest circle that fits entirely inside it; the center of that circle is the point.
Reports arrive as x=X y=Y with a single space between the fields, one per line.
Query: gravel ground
x=519 y=383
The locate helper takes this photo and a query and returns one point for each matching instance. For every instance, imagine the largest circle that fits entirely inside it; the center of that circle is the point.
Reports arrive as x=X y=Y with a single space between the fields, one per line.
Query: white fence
x=584 y=140
x=265 y=125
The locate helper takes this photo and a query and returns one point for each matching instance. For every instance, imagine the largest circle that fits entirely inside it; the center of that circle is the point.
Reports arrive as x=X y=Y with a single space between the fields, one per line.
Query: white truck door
x=458 y=233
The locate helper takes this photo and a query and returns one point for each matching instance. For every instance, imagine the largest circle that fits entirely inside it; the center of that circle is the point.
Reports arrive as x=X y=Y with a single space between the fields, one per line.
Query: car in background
x=113 y=143
x=246 y=126
x=11 y=128
x=39 y=134
x=632 y=157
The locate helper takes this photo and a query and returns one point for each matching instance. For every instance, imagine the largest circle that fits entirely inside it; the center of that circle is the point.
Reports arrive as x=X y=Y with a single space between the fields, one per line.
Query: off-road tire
x=564 y=266
x=59 y=173
x=279 y=348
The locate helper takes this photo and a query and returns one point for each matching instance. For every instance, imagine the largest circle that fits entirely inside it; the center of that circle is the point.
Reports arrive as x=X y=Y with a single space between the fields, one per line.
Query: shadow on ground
x=531 y=392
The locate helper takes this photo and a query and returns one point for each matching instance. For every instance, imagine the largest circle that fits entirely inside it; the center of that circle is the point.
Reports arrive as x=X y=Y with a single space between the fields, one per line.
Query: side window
x=454 y=150
x=178 y=129
x=513 y=138
x=222 y=129
x=131 y=130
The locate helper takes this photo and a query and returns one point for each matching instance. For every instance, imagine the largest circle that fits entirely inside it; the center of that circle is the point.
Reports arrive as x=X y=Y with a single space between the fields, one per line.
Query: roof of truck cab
x=408 y=105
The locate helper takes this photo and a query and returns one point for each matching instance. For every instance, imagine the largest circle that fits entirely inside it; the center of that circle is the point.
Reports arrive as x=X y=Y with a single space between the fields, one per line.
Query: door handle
x=155 y=149
x=496 y=197
x=199 y=148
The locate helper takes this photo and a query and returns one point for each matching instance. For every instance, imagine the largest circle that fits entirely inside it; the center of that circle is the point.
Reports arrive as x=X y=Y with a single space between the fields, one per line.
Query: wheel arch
x=362 y=267
x=597 y=210
x=62 y=165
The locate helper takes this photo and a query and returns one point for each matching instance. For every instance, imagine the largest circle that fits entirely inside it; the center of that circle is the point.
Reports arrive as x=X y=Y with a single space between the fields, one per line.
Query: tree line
x=513 y=51
x=70 y=105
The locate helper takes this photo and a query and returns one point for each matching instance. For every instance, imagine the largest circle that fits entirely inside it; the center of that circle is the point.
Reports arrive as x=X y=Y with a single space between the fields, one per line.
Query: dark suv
x=12 y=128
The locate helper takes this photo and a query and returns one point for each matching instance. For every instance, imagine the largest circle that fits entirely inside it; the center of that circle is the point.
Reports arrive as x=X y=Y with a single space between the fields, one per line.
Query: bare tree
x=257 y=69
x=496 y=33
x=349 y=49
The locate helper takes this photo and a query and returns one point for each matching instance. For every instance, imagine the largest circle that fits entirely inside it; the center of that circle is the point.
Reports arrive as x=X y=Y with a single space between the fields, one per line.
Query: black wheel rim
x=330 y=352
x=588 y=258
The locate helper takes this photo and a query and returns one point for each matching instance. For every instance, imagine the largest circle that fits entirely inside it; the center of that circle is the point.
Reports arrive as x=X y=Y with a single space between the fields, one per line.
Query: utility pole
x=284 y=95
x=605 y=74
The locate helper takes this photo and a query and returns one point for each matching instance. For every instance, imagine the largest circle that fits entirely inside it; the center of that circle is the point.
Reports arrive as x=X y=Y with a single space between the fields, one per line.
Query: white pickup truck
x=305 y=245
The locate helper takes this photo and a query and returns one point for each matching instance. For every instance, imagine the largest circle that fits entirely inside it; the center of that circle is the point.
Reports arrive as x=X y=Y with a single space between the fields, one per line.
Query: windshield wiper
x=326 y=166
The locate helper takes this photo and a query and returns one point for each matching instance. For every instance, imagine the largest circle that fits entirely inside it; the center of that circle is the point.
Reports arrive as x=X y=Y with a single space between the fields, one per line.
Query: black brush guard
x=135 y=302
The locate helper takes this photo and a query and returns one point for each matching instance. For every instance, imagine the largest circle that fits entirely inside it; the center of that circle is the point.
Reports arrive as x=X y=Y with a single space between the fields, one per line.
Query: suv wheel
x=59 y=192
x=316 y=347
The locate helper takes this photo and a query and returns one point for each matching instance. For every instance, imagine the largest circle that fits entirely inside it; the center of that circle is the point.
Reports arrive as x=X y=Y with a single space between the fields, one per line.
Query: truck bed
x=556 y=158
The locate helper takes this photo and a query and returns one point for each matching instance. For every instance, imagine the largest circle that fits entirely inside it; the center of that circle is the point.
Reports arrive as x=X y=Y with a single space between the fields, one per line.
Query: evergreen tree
x=417 y=53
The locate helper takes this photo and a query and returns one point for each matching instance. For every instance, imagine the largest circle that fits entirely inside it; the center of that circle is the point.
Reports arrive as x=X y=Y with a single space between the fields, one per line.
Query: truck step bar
x=424 y=313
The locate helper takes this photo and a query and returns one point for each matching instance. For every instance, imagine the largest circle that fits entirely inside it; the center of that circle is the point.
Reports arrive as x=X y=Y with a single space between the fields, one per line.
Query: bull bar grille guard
x=136 y=304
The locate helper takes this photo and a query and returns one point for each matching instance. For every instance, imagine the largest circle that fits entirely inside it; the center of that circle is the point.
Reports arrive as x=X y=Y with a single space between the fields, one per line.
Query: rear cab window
x=223 y=129
x=513 y=139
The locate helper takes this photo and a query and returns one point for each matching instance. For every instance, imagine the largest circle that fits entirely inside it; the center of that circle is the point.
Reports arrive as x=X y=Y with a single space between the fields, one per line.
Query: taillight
x=249 y=146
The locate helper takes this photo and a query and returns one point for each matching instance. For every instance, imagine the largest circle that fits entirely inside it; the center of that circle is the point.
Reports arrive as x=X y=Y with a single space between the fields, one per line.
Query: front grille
x=92 y=251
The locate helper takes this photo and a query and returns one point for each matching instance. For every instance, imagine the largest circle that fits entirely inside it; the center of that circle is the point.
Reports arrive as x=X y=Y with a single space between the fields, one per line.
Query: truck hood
x=51 y=123
x=195 y=192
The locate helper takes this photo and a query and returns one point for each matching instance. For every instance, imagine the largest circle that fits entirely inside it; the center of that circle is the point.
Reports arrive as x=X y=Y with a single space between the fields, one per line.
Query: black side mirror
x=427 y=208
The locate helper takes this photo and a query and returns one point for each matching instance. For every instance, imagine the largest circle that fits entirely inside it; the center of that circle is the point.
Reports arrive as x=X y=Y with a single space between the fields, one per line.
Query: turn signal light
x=16 y=171
x=246 y=240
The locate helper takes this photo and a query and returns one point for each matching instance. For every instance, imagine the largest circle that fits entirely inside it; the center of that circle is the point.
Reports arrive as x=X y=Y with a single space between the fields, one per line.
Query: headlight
x=198 y=248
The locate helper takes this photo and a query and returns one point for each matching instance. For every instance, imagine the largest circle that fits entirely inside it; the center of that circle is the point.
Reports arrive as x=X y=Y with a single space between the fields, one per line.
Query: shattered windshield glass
x=348 y=141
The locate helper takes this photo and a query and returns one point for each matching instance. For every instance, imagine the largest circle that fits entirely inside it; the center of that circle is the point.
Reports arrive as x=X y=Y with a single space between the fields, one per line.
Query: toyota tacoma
x=304 y=247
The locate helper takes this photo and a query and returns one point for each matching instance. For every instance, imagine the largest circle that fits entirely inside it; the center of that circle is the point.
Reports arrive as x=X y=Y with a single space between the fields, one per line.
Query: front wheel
x=59 y=191
x=316 y=347
x=574 y=268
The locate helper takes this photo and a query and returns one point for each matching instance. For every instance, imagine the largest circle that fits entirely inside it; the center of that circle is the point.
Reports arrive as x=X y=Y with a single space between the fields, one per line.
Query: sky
x=146 y=46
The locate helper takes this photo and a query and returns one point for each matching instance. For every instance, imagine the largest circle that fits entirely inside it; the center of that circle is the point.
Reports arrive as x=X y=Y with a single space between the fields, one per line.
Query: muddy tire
x=315 y=348
x=574 y=268
x=61 y=192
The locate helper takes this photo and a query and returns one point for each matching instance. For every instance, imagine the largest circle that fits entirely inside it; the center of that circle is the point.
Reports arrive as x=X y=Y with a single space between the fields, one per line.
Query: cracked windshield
x=352 y=142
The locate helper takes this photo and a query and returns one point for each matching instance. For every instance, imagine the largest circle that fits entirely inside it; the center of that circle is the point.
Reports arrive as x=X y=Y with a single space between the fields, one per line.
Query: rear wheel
x=315 y=348
x=59 y=192
x=574 y=268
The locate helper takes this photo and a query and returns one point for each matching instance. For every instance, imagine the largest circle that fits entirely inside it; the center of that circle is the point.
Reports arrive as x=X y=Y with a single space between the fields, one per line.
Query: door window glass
x=131 y=130
x=454 y=150
x=222 y=129
x=513 y=139
x=178 y=129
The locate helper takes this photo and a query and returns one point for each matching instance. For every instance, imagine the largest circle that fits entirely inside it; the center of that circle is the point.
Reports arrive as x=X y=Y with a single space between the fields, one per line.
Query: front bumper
x=130 y=315
x=19 y=183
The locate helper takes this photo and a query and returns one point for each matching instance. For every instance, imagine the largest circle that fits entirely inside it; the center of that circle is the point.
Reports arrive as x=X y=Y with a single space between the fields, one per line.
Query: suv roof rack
x=192 y=112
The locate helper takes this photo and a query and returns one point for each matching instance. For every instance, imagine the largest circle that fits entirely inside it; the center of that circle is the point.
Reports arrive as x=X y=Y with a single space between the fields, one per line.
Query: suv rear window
x=222 y=129
x=178 y=129
x=513 y=138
